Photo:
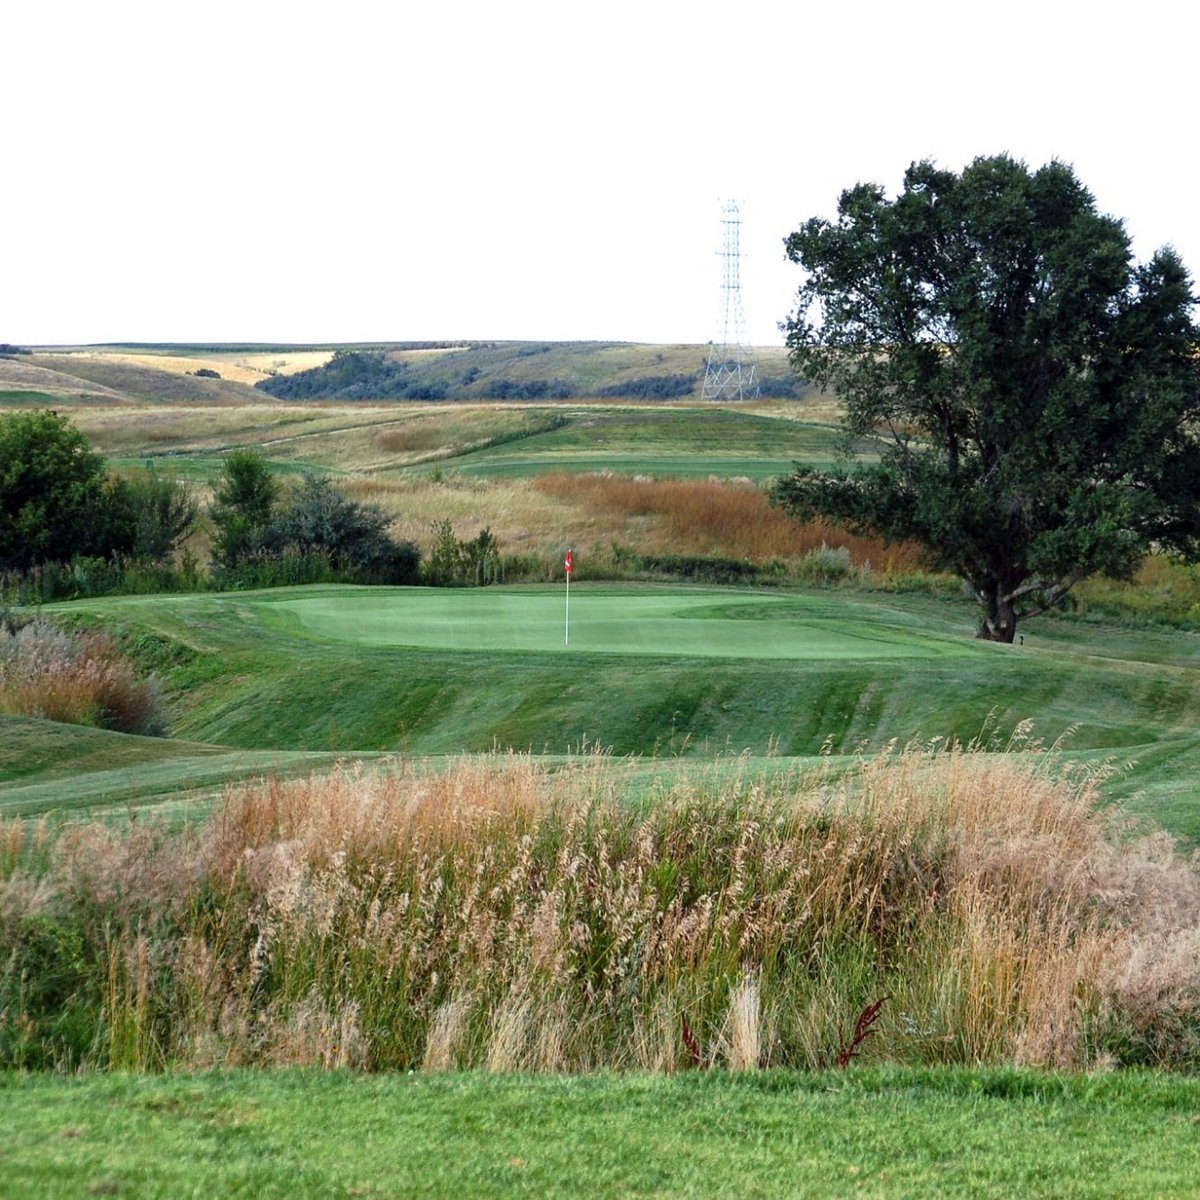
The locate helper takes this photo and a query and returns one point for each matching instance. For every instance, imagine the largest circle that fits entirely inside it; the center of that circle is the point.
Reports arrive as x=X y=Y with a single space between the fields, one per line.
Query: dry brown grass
x=78 y=679
x=499 y=915
x=722 y=518
x=525 y=520
x=592 y=512
x=235 y=366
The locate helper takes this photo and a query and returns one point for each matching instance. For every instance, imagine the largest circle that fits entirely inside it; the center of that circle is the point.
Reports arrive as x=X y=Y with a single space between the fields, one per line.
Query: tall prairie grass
x=78 y=678
x=500 y=916
x=721 y=518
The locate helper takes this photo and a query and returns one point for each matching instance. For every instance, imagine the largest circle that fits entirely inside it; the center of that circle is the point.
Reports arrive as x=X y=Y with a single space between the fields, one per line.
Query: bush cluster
x=81 y=679
x=310 y=534
x=353 y=375
x=69 y=528
x=59 y=502
x=651 y=387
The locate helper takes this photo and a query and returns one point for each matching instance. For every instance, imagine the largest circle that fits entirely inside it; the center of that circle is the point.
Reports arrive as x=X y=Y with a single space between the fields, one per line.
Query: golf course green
x=695 y=624
x=284 y=679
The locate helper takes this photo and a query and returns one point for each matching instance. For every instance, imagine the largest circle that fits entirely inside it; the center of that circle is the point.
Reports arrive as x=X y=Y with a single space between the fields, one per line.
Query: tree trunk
x=999 y=622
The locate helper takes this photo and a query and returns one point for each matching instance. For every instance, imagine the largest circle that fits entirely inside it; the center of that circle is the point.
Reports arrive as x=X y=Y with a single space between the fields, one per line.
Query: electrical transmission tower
x=730 y=372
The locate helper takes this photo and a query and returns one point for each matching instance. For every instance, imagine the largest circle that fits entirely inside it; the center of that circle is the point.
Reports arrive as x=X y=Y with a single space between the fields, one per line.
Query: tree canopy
x=1034 y=390
x=56 y=497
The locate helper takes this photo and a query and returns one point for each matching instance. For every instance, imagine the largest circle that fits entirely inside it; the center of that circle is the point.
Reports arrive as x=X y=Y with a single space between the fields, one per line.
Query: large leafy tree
x=57 y=499
x=1034 y=389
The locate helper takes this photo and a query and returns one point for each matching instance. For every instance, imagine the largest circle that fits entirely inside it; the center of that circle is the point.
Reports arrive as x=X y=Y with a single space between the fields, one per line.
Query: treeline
x=651 y=387
x=354 y=375
x=375 y=375
x=70 y=527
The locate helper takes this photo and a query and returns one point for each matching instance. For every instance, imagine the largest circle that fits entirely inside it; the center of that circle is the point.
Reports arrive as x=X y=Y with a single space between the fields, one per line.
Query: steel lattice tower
x=730 y=372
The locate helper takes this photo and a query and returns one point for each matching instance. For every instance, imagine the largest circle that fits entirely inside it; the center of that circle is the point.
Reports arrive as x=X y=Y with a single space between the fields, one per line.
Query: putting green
x=699 y=624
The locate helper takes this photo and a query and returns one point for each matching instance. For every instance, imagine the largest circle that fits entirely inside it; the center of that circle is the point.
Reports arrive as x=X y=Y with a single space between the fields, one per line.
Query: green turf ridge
x=657 y=671
x=885 y=1133
x=681 y=441
x=488 y=441
x=47 y=767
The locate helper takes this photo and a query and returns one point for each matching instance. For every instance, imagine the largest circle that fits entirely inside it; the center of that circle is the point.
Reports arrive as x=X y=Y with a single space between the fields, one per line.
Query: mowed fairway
x=263 y=680
x=697 y=624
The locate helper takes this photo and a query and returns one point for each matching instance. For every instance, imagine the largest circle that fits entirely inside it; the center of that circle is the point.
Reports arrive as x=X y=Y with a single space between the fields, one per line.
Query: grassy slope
x=45 y=767
x=477 y=440
x=319 y=670
x=161 y=373
x=872 y=1133
x=668 y=438
x=146 y=383
x=664 y=441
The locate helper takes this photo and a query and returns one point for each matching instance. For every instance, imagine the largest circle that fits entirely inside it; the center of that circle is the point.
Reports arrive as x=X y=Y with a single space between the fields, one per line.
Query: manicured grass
x=474 y=440
x=696 y=624
x=660 y=441
x=870 y=1133
x=48 y=767
x=658 y=670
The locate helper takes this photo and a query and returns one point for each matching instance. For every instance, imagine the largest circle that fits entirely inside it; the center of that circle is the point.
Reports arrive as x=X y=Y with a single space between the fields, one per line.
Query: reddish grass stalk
x=862 y=1030
x=690 y=1043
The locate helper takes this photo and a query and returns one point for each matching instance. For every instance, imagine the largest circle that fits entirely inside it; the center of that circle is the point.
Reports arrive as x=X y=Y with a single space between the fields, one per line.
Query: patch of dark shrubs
x=8 y=350
x=528 y=389
x=349 y=375
x=699 y=567
x=651 y=387
x=206 y=373
x=779 y=388
x=313 y=534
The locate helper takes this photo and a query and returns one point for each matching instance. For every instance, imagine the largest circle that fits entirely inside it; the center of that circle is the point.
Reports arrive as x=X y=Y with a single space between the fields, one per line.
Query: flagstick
x=567 y=642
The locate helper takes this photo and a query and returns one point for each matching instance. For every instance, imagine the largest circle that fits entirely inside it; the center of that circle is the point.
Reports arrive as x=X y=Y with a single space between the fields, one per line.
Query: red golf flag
x=570 y=563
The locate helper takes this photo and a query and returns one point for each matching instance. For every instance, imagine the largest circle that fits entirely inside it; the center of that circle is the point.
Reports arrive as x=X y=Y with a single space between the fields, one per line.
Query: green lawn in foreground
x=870 y=1133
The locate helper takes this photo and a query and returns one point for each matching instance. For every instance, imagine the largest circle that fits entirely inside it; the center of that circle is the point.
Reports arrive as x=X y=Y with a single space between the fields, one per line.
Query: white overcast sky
x=344 y=172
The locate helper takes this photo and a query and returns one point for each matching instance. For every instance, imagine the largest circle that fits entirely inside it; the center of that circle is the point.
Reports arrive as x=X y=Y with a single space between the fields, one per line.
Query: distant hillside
x=519 y=371
x=512 y=371
x=95 y=377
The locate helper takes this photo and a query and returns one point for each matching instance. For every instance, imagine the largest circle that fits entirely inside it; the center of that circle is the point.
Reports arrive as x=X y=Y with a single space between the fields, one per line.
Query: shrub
x=652 y=387
x=164 y=514
x=318 y=521
x=243 y=503
x=454 y=563
x=79 y=679
x=528 y=389
x=825 y=564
